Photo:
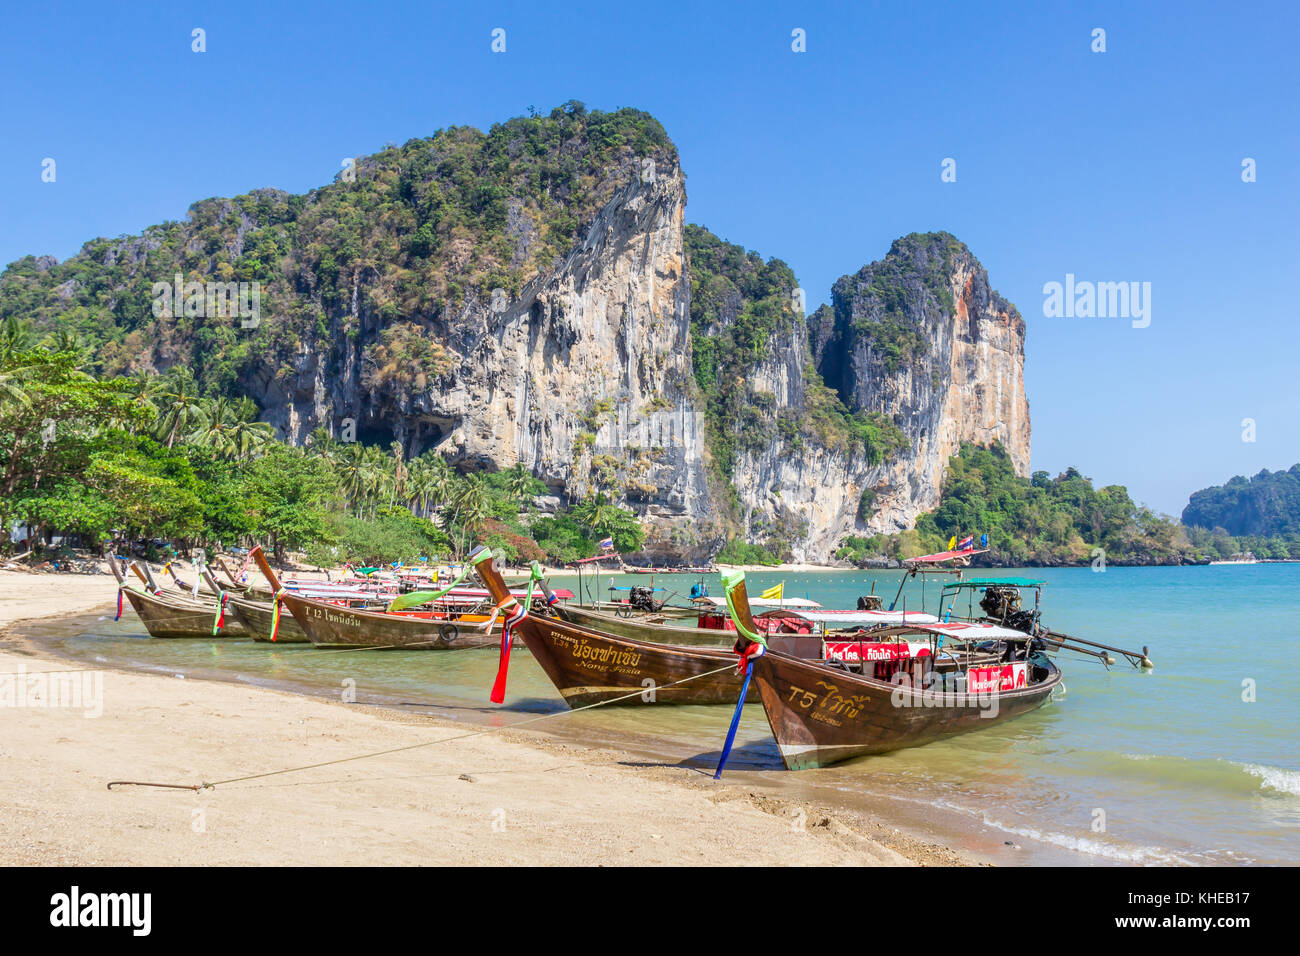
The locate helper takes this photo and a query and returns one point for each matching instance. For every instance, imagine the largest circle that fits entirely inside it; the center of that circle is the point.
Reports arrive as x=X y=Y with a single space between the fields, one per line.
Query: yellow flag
x=774 y=593
x=952 y=542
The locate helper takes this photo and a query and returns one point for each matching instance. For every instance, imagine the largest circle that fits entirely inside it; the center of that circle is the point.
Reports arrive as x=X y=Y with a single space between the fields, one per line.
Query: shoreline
x=497 y=797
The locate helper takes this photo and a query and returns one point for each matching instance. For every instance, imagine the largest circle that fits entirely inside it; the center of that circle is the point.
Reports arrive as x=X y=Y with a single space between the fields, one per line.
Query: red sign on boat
x=876 y=651
x=986 y=680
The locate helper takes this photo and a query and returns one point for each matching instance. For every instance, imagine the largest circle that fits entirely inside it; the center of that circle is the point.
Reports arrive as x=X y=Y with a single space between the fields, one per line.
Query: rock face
x=586 y=374
x=528 y=295
x=921 y=339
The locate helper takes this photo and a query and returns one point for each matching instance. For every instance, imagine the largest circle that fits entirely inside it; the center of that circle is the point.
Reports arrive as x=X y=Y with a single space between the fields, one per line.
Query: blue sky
x=1115 y=166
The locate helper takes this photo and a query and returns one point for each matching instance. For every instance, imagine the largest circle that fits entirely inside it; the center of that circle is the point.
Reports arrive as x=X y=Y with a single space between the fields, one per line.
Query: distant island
x=1046 y=521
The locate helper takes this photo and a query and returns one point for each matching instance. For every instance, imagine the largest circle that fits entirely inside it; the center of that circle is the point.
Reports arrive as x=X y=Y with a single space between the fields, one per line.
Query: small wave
x=1079 y=844
x=1216 y=773
x=1110 y=851
x=1275 y=778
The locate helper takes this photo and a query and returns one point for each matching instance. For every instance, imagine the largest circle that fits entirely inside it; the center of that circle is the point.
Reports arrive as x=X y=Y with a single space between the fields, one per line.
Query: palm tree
x=66 y=341
x=375 y=477
x=519 y=483
x=350 y=466
x=16 y=335
x=214 y=430
x=180 y=408
x=469 y=507
x=15 y=338
x=321 y=442
x=398 y=487
x=250 y=439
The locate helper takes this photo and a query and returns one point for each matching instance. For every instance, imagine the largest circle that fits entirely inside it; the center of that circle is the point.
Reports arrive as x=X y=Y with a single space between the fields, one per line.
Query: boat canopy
x=997 y=583
x=944 y=556
x=721 y=602
x=831 y=618
x=969 y=630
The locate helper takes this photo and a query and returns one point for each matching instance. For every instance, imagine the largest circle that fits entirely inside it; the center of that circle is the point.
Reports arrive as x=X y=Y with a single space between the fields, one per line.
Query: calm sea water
x=1167 y=767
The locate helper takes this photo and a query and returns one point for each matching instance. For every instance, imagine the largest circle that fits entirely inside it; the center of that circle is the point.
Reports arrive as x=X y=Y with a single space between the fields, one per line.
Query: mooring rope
x=196 y=787
x=340 y=651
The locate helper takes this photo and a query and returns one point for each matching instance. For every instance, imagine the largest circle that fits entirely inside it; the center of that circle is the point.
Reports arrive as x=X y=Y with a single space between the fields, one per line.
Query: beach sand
x=498 y=798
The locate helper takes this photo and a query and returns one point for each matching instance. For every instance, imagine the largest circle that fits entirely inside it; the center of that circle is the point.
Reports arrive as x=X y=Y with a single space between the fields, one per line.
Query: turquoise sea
x=1196 y=762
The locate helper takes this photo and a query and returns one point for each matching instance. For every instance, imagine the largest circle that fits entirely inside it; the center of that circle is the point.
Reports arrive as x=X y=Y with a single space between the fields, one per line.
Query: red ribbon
x=507 y=638
x=754 y=649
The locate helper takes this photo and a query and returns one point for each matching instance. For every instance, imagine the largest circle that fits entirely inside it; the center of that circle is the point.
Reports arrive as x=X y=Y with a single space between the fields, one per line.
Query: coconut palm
x=397 y=489
x=180 y=408
x=350 y=465
x=519 y=484
x=15 y=338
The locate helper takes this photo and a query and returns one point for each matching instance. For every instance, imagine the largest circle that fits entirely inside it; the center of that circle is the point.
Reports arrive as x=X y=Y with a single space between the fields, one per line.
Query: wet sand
x=504 y=797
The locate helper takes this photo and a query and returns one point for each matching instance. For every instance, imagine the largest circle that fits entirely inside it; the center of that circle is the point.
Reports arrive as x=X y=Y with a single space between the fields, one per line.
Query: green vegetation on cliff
x=743 y=318
x=96 y=459
x=1267 y=505
x=881 y=305
x=743 y=315
x=406 y=235
x=1034 y=521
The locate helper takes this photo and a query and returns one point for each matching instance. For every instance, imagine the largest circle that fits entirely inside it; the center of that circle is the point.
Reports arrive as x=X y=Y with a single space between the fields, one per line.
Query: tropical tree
x=607 y=519
x=519 y=484
x=180 y=407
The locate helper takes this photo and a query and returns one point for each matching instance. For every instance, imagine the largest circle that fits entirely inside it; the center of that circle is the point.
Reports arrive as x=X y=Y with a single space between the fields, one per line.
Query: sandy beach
x=507 y=797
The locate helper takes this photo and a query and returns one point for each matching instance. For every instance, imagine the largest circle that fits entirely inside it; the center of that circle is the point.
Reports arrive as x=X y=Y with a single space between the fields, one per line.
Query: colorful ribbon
x=507 y=641
x=275 y=614
x=220 y=620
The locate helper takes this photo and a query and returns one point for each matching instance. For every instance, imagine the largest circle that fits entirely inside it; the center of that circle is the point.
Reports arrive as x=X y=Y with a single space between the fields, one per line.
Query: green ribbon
x=403 y=601
x=730 y=580
x=221 y=606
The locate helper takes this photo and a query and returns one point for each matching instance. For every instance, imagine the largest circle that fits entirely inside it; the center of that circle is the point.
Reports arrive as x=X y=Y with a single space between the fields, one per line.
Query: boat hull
x=589 y=667
x=641 y=630
x=256 y=616
x=820 y=715
x=333 y=626
x=169 y=618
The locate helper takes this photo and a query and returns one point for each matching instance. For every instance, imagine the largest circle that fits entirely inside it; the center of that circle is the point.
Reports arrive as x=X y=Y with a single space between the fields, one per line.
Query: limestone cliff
x=919 y=339
x=532 y=294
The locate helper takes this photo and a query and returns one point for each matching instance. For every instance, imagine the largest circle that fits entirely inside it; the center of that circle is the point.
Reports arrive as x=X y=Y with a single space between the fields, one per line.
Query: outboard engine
x=999 y=602
x=643 y=598
x=869 y=602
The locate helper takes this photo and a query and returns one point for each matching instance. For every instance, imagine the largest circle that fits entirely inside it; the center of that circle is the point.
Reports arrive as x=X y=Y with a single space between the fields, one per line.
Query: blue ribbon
x=735 y=722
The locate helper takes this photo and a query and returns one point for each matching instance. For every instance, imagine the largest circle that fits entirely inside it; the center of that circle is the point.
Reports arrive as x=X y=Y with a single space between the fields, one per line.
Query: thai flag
x=608 y=544
x=967 y=543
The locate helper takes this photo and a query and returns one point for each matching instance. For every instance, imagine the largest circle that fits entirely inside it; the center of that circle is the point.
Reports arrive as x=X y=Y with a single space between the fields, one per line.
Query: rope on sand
x=196 y=787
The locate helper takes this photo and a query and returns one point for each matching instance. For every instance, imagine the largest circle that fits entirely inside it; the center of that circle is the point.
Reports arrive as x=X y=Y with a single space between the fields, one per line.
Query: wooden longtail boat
x=714 y=628
x=647 y=628
x=335 y=626
x=823 y=712
x=820 y=715
x=256 y=616
x=171 y=618
x=588 y=666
